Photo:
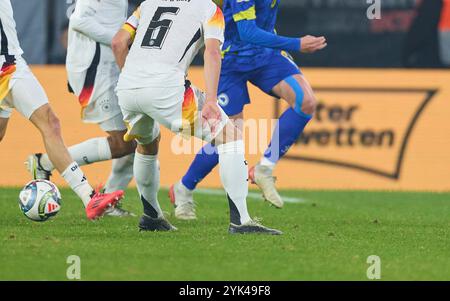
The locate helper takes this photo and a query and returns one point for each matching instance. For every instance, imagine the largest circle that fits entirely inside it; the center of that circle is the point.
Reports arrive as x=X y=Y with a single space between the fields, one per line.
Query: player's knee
x=119 y=147
x=229 y=133
x=127 y=147
x=301 y=98
x=53 y=125
x=309 y=105
x=148 y=148
x=47 y=122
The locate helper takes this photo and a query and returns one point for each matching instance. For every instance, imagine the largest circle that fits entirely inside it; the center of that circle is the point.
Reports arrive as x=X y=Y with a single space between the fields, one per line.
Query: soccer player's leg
x=87 y=152
x=6 y=74
x=145 y=131
x=30 y=100
x=4 y=118
x=121 y=175
x=122 y=153
x=282 y=79
x=181 y=194
x=232 y=164
x=95 y=202
x=233 y=95
x=146 y=172
x=95 y=150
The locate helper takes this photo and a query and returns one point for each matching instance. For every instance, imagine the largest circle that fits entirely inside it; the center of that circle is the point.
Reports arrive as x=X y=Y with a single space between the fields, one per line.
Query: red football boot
x=100 y=202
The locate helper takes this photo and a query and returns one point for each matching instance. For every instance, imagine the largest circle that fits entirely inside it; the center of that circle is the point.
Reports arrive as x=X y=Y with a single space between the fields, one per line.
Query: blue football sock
x=206 y=159
x=288 y=129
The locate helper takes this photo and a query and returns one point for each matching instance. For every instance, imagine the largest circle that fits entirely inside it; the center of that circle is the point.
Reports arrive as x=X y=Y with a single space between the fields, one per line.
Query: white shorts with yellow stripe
x=20 y=89
x=176 y=108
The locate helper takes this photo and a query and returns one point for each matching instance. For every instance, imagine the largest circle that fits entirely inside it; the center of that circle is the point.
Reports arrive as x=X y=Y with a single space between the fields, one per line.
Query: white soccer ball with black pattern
x=39 y=200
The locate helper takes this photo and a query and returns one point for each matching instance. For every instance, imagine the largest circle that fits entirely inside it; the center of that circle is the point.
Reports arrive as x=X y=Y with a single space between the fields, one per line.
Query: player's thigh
x=275 y=70
x=233 y=92
x=30 y=99
x=116 y=129
x=208 y=130
x=297 y=91
x=217 y=131
x=140 y=126
x=46 y=121
x=27 y=94
x=282 y=78
x=176 y=108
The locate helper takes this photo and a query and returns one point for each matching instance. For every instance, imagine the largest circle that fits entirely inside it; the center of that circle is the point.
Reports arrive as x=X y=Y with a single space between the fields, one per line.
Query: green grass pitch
x=327 y=237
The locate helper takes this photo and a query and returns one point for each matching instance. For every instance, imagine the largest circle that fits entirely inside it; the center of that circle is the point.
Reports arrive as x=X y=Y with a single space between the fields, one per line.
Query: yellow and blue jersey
x=252 y=52
x=263 y=12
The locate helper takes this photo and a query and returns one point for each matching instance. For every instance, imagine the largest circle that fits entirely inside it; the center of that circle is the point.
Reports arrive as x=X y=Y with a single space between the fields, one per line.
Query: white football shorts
x=176 y=108
x=113 y=124
x=95 y=92
x=23 y=91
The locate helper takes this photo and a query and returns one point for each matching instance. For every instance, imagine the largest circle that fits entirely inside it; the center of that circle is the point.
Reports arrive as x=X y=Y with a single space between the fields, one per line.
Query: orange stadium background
x=384 y=129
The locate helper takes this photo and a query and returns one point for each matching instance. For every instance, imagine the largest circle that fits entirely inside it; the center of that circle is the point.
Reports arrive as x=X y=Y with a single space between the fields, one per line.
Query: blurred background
x=411 y=33
x=389 y=67
x=381 y=126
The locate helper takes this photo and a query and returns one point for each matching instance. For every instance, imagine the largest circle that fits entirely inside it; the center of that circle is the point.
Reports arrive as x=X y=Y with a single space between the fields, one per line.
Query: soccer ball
x=39 y=200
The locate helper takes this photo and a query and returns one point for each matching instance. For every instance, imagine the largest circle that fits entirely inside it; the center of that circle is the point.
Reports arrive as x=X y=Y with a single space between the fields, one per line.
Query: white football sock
x=267 y=163
x=87 y=152
x=121 y=174
x=146 y=173
x=76 y=179
x=234 y=176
